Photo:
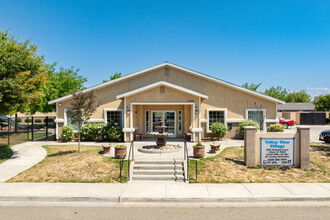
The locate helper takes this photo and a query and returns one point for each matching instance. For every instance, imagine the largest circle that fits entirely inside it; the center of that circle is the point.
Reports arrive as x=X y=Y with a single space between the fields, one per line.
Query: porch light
x=127 y=111
x=196 y=111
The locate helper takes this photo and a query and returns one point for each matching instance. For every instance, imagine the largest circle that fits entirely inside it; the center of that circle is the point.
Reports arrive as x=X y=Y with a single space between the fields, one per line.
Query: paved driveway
x=314 y=131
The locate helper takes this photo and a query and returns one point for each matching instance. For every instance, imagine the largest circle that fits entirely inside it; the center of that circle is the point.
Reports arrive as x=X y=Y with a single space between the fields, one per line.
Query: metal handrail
x=121 y=163
x=186 y=158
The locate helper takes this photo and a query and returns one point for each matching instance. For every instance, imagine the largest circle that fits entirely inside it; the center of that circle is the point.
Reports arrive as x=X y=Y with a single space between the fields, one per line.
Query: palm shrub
x=276 y=128
x=219 y=129
x=92 y=131
x=67 y=133
x=244 y=123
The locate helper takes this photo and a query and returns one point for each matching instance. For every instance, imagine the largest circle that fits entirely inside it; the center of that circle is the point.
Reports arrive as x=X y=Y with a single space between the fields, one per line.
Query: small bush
x=276 y=128
x=92 y=131
x=120 y=146
x=28 y=120
x=219 y=129
x=37 y=121
x=112 y=132
x=19 y=120
x=328 y=120
x=50 y=119
x=199 y=144
x=67 y=133
x=244 y=123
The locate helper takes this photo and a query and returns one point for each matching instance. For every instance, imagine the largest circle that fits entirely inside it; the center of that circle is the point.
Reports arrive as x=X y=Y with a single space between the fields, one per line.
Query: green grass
x=5 y=153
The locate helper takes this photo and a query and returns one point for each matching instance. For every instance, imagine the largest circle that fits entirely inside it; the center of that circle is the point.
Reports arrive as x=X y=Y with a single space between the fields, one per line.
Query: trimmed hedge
x=67 y=133
x=276 y=128
x=37 y=120
x=244 y=123
x=219 y=129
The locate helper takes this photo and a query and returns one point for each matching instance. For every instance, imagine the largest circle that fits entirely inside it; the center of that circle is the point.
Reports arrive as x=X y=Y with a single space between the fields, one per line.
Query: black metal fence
x=16 y=130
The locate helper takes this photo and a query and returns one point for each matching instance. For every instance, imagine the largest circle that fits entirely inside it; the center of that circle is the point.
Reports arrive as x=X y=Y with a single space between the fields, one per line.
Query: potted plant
x=120 y=151
x=199 y=150
x=106 y=149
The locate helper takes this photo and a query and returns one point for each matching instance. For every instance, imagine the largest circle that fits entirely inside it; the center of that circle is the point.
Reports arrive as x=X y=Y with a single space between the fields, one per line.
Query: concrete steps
x=162 y=170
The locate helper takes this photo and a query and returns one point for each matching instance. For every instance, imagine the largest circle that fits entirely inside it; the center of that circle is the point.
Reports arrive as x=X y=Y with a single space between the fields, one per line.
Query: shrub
x=67 y=133
x=112 y=132
x=199 y=144
x=276 y=128
x=19 y=120
x=37 y=120
x=120 y=146
x=219 y=129
x=244 y=123
x=28 y=120
x=50 y=119
x=328 y=120
x=92 y=131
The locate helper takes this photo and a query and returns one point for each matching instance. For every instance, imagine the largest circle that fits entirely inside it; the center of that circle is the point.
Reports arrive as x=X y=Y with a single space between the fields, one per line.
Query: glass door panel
x=168 y=119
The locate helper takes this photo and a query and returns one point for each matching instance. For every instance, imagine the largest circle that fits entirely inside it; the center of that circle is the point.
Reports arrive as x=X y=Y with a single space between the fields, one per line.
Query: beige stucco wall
x=219 y=96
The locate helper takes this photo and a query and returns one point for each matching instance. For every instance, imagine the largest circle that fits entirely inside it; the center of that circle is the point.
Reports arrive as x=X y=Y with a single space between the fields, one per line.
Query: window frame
x=146 y=123
x=257 y=109
x=180 y=121
x=114 y=110
x=66 y=118
x=208 y=117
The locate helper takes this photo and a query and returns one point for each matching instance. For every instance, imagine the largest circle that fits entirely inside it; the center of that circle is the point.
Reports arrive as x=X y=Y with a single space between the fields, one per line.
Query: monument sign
x=277 y=151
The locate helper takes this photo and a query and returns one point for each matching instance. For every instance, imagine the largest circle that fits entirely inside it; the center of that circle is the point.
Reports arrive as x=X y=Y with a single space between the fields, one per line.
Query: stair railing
x=186 y=161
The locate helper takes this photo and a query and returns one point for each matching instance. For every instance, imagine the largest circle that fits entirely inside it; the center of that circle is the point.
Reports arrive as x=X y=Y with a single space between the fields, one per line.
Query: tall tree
x=59 y=83
x=251 y=86
x=276 y=92
x=114 y=76
x=83 y=105
x=322 y=102
x=299 y=96
x=22 y=74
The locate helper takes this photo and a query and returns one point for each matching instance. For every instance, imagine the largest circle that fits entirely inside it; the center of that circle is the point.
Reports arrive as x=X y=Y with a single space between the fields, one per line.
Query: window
x=216 y=115
x=147 y=121
x=68 y=121
x=180 y=122
x=115 y=117
x=257 y=115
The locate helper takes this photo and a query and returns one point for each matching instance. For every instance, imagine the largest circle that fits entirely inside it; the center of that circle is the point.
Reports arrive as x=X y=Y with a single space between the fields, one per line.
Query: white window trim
x=145 y=122
x=257 y=109
x=152 y=129
x=208 y=117
x=180 y=132
x=113 y=110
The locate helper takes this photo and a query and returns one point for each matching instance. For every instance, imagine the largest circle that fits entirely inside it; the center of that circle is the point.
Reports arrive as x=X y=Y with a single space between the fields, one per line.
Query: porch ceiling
x=161 y=83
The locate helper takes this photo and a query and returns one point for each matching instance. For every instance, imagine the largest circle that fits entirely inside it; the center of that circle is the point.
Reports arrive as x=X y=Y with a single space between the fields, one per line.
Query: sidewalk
x=160 y=192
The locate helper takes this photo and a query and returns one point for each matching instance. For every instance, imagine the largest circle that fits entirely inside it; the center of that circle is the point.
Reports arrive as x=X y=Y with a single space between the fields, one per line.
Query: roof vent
x=167 y=72
x=162 y=89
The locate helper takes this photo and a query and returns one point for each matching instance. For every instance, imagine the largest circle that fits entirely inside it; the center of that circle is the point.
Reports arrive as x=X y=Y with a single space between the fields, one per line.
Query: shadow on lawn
x=237 y=161
x=324 y=148
x=61 y=153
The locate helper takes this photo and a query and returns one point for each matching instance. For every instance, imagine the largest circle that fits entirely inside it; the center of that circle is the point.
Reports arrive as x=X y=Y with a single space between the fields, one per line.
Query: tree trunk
x=79 y=140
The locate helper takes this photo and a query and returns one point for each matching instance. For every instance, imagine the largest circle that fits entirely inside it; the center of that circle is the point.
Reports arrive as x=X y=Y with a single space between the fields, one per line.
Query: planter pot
x=199 y=151
x=120 y=152
x=106 y=149
x=215 y=148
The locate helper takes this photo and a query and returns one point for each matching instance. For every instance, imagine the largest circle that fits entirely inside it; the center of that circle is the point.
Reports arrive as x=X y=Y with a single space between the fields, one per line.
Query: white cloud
x=316 y=91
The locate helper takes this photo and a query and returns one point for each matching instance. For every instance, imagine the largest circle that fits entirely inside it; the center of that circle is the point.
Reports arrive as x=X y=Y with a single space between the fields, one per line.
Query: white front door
x=168 y=118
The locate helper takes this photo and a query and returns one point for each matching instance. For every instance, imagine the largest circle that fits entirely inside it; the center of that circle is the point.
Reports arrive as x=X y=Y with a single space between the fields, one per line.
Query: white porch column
x=199 y=119
x=124 y=119
x=193 y=127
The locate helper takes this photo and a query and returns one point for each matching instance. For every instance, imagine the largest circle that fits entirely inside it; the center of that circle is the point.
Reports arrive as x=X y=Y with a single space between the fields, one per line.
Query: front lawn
x=228 y=167
x=64 y=164
x=5 y=153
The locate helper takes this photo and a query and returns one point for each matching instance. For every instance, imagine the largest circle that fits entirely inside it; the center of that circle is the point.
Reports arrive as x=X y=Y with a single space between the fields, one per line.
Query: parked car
x=325 y=135
x=286 y=122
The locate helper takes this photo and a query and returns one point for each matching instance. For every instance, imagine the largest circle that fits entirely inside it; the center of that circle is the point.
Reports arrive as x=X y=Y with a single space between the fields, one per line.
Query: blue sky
x=285 y=43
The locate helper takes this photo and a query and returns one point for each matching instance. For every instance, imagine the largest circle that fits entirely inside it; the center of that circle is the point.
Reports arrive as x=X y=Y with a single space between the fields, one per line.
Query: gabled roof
x=296 y=107
x=167 y=64
x=162 y=83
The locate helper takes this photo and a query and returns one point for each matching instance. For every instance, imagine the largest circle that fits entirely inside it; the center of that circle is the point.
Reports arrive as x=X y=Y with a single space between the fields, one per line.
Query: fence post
x=46 y=128
x=32 y=130
x=27 y=128
x=8 y=132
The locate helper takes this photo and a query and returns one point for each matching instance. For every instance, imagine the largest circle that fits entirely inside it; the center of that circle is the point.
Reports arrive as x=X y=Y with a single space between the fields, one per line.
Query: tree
x=83 y=105
x=59 y=83
x=276 y=92
x=322 y=102
x=22 y=74
x=114 y=76
x=251 y=86
x=300 y=96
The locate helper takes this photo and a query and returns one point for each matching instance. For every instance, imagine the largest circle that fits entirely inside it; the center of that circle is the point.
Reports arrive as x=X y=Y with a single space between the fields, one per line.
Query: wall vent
x=167 y=72
x=162 y=89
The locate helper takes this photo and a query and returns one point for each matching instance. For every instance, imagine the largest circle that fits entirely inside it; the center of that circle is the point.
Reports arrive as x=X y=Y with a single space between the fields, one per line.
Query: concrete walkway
x=160 y=192
x=25 y=156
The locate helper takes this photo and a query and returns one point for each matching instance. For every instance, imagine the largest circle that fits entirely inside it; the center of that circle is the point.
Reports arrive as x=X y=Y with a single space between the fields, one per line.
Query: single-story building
x=186 y=100
x=302 y=113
